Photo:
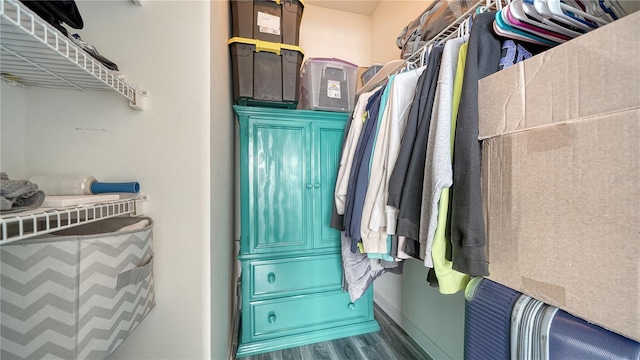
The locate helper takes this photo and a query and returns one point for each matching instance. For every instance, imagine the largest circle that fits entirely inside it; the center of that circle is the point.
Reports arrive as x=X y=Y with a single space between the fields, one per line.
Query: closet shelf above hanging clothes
x=27 y=224
x=449 y=32
x=34 y=53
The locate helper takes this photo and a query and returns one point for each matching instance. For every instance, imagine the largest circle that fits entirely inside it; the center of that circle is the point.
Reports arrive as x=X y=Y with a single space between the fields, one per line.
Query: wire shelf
x=449 y=32
x=24 y=225
x=33 y=53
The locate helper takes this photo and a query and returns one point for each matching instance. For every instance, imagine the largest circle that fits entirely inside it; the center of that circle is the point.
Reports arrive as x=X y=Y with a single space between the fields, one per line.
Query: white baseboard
x=434 y=351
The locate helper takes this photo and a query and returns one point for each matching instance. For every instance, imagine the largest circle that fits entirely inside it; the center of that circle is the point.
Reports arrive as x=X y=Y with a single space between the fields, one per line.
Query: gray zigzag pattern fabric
x=58 y=295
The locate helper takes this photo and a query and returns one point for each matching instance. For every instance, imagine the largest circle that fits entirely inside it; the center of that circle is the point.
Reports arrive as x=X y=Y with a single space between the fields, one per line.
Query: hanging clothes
x=409 y=211
x=359 y=178
x=420 y=110
x=348 y=150
x=438 y=172
x=514 y=51
x=374 y=241
x=358 y=270
x=404 y=95
x=449 y=280
x=467 y=220
x=409 y=178
x=375 y=231
x=399 y=172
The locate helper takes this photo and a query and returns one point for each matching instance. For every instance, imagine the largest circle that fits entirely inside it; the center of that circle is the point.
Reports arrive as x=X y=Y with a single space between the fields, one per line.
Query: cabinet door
x=328 y=145
x=279 y=185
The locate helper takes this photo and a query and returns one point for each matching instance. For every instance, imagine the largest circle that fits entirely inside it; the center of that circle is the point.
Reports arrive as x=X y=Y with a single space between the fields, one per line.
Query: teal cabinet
x=280 y=184
x=327 y=149
x=290 y=256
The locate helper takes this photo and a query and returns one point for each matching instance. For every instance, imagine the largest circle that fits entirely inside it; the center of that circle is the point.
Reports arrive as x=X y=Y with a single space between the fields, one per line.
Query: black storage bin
x=274 y=21
x=265 y=73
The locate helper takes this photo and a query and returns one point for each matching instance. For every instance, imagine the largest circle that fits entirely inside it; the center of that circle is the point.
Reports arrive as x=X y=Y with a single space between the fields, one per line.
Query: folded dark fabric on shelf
x=19 y=195
x=57 y=12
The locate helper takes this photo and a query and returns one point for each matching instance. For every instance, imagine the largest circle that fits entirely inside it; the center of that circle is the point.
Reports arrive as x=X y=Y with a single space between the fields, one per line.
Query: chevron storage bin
x=76 y=293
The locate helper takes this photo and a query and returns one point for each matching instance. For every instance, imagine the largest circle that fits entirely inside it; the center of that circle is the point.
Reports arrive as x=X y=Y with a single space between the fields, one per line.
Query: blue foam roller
x=126 y=187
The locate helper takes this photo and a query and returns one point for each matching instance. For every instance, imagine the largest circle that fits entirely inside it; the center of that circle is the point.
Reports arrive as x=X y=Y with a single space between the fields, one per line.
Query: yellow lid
x=265 y=45
x=279 y=1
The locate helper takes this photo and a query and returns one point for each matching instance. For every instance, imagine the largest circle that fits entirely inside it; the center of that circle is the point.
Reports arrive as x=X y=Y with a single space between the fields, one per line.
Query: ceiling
x=363 y=7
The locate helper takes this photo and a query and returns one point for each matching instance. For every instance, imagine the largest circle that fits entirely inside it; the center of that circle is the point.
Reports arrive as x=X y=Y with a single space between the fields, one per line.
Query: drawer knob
x=309 y=186
x=316 y=185
x=271 y=278
x=272 y=318
x=351 y=306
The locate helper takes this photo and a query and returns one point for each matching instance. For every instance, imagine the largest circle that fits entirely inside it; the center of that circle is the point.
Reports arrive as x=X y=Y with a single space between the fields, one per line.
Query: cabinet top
x=288 y=114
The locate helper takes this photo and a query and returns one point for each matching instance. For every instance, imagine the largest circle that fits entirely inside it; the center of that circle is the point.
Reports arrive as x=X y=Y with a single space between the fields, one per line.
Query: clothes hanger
x=602 y=7
x=423 y=57
x=518 y=10
x=428 y=52
x=522 y=35
x=527 y=30
x=528 y=7
x=594 y=7
x=463 y=27
x=410 y=65
x=509 y=18
x=503 y=29
x=501 y=32
x=590 y=7
x=629 y=6
x=544 y=11
x=615 y=7
x=553 y=9
x=575 y=12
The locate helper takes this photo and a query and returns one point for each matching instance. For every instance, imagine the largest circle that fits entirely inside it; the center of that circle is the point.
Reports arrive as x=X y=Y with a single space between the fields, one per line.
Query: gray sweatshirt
x=438 y=172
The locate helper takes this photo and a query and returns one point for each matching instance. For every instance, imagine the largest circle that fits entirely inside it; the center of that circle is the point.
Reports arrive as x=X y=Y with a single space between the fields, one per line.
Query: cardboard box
x=561 y=176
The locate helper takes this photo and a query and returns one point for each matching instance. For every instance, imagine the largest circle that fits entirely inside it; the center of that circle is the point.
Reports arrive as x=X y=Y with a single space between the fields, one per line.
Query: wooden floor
x=390 y=343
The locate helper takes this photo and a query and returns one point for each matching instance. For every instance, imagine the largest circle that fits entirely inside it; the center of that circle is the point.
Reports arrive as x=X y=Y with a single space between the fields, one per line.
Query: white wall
x=163 y=45
x=339 y=34
x=433 y=320
x=389 y=18
x=12 y=129
x=222 y=179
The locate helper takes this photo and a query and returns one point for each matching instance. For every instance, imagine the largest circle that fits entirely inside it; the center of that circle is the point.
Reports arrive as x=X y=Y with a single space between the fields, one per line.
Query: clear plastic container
x=327 y=84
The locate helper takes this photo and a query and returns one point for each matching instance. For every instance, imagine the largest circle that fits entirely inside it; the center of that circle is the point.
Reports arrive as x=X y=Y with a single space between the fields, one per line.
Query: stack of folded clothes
x=19 y=195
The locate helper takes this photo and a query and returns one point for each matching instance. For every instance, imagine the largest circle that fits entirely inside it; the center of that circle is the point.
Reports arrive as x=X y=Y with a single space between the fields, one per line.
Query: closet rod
x=452 y=30
x=444 y=35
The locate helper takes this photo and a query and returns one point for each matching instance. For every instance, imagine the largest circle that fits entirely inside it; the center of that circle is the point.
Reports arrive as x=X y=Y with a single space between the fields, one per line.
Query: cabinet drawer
x=295 y=276
x=306 y=313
